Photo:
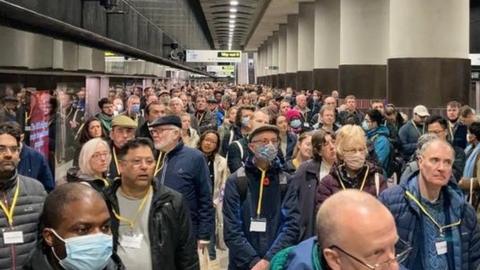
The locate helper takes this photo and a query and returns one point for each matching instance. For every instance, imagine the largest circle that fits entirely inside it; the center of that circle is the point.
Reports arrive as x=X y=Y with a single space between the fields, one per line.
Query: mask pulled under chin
x=354 y=161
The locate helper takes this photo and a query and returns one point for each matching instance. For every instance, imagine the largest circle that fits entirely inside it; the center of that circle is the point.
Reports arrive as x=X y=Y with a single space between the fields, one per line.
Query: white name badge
x=131 y=241
x=441 y=247
x=12 y=237
x=258 y=225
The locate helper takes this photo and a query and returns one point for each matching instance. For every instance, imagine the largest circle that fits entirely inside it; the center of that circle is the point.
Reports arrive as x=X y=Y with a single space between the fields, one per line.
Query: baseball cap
x=421 y=110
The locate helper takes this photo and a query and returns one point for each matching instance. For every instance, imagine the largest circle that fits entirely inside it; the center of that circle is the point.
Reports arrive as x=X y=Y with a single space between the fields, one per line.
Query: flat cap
x=167 y=120
x=123 y=121
x=261 y=129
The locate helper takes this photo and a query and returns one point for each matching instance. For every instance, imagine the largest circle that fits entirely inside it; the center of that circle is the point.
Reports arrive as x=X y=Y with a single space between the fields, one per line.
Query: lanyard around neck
x=9 y=211
x=363 y=181
x=116 y=161
x=424 y=211
x=131 y=222
x=260 y=194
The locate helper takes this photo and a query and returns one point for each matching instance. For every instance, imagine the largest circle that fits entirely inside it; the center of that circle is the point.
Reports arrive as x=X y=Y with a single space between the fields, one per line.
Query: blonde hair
x=87 y=152
x=349 y=134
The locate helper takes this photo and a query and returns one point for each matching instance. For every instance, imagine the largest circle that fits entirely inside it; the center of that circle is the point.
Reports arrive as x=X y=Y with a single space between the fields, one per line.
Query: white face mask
x=354 y=161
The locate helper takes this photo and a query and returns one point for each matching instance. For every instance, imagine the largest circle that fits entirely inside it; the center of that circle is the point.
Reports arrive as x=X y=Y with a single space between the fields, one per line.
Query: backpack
x=242 y=184
x=395 y=162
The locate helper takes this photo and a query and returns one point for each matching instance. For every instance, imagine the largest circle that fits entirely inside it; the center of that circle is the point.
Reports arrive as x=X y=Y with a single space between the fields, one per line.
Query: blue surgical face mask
x=92 y=251
x=135 y=108
x=267 y=152
x=365 y=125
x=295 y=123
x=245 y=121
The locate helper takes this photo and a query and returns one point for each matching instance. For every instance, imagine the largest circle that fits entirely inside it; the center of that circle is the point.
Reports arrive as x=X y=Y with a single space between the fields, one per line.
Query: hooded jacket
x=172 y=244
x=379 y=137
x=246 y=248
x=330 y=184
x=463 y=249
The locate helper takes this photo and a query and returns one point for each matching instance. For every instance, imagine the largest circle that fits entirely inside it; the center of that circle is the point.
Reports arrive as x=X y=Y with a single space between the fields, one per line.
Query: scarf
x=106 y=120
x=470 y=164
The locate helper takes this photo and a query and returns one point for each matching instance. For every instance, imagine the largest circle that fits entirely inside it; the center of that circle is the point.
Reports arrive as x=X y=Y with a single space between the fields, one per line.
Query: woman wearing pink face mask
x=352 y=170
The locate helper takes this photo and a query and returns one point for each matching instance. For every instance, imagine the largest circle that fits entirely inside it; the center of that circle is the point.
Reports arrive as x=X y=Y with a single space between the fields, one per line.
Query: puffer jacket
x=465 y=252
x=172 y=244
x=26 y=218
x=330 y=184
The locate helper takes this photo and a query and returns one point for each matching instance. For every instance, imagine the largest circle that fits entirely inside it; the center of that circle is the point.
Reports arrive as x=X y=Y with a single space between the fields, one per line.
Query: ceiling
x=242 y=14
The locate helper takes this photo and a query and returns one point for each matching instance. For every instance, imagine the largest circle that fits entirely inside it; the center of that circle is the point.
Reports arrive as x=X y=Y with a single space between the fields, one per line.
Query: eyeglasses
x=404 y=250
x=158 y=131
x=210 y=141
x=266 y=141
x=13 y=149
x=139 y=161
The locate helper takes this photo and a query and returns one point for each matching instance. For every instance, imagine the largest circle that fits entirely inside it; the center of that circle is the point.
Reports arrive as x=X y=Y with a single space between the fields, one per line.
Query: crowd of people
x=166 y=177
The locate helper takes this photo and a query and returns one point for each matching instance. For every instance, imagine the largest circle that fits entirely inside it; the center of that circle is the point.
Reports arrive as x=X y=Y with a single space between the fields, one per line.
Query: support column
x=327 y=45
x=269 y=61
x=282 y=55
x=428 y=62
x=292 y=52
x=259 y=69
x=363 y=48
x=306 y=27
x=275 y=59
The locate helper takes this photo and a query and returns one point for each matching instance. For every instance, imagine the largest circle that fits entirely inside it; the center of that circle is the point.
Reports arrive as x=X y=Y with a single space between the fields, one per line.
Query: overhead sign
x=212 y=56
x=475 y=57
x=221 y=71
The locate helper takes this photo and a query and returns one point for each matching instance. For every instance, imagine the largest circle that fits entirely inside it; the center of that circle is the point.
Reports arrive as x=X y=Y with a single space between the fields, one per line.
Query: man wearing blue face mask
x=76 y=232
x=259 y=207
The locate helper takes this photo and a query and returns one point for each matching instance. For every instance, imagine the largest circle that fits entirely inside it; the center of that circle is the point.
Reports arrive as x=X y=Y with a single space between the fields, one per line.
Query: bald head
x=335 y=216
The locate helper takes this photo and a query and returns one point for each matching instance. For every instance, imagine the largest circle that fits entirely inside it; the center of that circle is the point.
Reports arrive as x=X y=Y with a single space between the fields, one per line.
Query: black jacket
x=305 y=182
x=39 y=261
x=143 y=131
x=172 y=244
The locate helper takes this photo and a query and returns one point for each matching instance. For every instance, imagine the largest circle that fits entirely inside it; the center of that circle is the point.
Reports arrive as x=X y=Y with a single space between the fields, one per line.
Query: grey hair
x=428 y=143
x=424 y=139
x=88 y=150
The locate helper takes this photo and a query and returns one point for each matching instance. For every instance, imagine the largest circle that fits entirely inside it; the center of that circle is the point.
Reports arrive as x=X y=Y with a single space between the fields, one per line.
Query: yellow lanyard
x=9 y=212
x=363 y=182
x=116 y=161
x=158 y=167
x=131 y=222
x=260 y=195
x=440 y=227
x=105 y=181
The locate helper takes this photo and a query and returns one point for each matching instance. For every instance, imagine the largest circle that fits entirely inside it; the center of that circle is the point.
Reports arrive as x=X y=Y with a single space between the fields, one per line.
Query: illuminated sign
x=212 y=56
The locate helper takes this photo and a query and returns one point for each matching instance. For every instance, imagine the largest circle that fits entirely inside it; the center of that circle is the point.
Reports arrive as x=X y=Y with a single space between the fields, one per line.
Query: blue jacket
x=464 y=253
x=185 y=170
x=379 y=137
x=247 y=248
x=408 y=136
x=304 y=256
x=34 y=165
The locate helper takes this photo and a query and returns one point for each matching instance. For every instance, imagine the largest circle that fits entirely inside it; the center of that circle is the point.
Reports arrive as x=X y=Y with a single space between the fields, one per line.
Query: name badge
x=131 y=241
x=27 y=128
x=258 y=225
x=306 y=124
x=12 y=237
x=441 y=247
